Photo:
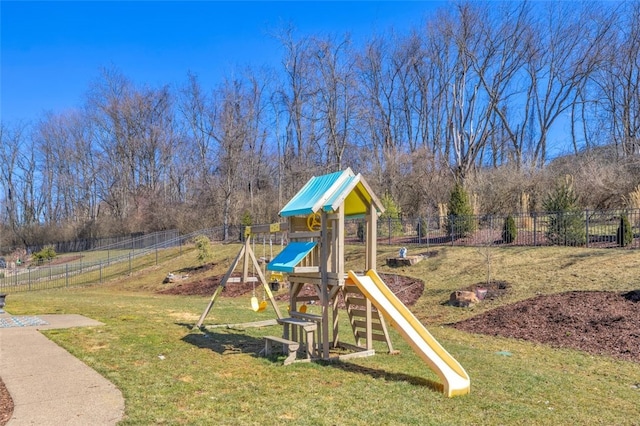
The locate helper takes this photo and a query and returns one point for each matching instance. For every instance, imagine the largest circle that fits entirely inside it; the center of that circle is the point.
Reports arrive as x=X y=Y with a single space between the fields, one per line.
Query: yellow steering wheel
x=314 y=222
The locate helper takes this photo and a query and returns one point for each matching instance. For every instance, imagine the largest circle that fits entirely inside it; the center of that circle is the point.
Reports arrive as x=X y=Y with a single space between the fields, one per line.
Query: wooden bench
x=289 y=347
x=291 y=326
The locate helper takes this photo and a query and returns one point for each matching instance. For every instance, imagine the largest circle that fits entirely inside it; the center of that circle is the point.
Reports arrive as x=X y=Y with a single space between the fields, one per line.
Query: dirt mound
x=206 y=286
x=597 y=322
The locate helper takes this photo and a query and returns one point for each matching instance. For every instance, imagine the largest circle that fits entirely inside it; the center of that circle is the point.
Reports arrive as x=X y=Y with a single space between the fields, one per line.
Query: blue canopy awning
x=292 y=254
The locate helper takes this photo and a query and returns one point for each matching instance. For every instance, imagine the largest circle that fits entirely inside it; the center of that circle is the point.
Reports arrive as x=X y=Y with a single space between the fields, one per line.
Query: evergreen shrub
x=461 y=221
x=624 y=235
x=509 y=230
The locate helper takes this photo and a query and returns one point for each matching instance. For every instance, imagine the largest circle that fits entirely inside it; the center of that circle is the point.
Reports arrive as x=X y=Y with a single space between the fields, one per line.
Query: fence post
x=586 y=224
x=29 y=275
x=100 y=268
x=451 y=227
x=129 y=263
x=635 y=220
x=389 y=229
x=66 y=275
x=535 y=229
x=156 y=255
x=428 y=223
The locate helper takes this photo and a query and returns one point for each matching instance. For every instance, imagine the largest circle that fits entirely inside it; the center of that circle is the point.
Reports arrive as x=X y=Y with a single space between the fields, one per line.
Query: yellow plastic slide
x=455 y=378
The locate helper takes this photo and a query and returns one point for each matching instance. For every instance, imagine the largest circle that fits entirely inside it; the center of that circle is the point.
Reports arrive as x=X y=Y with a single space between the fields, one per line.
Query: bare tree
x=195 y=107
x=135 y=132
x=617 y=83
x=232 y=127
x=67 y=170
x=568 y=50
x=299 y=108
x=11 y=144
x=470 y=111
x=336 y=93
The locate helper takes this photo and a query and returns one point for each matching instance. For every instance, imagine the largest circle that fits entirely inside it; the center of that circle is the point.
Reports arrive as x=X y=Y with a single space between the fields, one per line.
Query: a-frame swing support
x=247 y=254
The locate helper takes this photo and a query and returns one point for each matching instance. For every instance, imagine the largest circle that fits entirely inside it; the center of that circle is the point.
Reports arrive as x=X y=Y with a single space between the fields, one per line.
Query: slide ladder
x=360 y=314
x=455 y=378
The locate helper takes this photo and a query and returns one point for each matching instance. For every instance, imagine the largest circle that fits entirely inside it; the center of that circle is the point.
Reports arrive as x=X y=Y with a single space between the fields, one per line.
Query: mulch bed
x=596 y=322
x=206 y=286
x=407 y=289
x=601 y=323
x=6 y=404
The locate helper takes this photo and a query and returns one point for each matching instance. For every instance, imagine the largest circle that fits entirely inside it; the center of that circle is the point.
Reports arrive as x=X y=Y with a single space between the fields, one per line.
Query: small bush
x=246 y=219
x=203 y=244
x=509 y=230
x=423 y=228
x=47 y=253
x=565 y=224
x=461 y=221
x=361 y=228
x=389 y=222
x=624 y=236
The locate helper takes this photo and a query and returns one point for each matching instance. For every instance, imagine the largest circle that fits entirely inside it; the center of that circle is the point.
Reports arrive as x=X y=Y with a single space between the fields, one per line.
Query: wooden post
x=324 y=278
x=339 y=268
x=369 y=322
x=371 y=238
x=245 y=263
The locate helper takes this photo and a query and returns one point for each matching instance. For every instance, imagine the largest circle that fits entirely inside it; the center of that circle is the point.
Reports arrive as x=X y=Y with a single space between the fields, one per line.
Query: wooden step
x=289 y=347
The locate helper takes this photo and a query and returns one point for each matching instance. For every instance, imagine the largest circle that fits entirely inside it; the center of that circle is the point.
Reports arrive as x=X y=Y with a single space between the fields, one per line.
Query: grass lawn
x=170 y=374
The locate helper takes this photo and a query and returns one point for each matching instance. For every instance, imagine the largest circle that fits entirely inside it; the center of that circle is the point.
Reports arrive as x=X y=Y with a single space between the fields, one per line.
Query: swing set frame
x=248 y=257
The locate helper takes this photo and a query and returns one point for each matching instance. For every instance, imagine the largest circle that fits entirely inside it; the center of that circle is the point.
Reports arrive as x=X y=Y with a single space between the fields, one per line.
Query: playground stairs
x=357 y=307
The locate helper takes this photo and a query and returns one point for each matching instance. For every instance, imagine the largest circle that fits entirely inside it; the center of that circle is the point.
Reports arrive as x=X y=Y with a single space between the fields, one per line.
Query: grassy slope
x=217 y=378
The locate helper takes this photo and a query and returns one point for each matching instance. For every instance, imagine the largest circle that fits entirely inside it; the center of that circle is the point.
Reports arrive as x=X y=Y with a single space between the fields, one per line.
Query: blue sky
x=50 y=52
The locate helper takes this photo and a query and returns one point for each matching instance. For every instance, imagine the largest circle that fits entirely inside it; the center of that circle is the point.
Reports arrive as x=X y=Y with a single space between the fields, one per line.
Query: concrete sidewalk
x=48 y=385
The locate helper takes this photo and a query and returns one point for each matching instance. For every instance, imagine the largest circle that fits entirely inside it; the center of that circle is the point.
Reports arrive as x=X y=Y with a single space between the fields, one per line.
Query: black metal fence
x=597 y=229
x=588 y=228
x=136 y=241
x=118 y=258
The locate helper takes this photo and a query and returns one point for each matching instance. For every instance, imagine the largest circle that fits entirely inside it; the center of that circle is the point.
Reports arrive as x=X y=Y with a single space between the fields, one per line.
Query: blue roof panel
x=346 y=185
x=314 y=194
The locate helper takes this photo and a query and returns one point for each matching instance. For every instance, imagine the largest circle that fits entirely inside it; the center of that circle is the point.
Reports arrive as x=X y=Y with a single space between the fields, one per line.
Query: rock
x=463 y=299
x=403 y=261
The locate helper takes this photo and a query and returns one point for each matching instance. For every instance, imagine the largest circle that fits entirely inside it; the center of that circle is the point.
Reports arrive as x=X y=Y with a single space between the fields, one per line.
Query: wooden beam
x=221 y=286
x=303 y=235
x=271 y=228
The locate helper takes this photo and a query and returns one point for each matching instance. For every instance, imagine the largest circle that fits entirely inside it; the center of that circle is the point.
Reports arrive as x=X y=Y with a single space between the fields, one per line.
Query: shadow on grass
x=226 y=343
x=385 y=375
x=237 y=343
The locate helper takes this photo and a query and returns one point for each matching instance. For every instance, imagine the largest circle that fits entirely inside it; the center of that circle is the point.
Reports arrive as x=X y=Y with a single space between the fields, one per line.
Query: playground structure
x=315 y=256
